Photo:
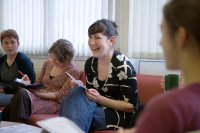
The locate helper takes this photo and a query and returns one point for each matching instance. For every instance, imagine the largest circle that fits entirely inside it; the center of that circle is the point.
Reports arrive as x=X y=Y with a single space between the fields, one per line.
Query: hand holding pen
x=25 y=77
x=75 y=81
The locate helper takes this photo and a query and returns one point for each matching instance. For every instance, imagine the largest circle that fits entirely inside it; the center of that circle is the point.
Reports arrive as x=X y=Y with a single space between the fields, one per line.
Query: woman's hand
x=44 y=95
x=1 y=90
x=121 y=130
x=26 y=79
x=181 y=81
x=74 y=83
x=93 y=95
x=162 y=83
x=119 y=105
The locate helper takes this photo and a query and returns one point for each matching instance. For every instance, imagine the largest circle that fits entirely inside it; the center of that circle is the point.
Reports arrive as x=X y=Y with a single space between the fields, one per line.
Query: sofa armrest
x=148 y=87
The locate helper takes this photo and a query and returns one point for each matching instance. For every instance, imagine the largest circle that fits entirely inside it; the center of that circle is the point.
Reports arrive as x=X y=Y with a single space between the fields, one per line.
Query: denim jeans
x=83 y=112
x=5 y=99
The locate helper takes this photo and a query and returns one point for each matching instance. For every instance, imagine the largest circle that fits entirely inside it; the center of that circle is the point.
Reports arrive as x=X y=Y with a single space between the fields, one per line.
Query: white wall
x=153 y=67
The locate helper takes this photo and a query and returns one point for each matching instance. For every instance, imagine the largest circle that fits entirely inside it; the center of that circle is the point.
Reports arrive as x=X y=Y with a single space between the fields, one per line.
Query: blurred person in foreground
x=179 y=110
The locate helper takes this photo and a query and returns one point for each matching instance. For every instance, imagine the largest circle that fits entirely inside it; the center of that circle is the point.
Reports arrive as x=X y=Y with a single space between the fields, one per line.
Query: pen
x=76 y=81
x=20 y=73
x=24 y=76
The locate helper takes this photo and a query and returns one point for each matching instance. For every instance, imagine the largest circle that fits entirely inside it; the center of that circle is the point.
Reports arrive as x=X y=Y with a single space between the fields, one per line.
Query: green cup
x=171 y=81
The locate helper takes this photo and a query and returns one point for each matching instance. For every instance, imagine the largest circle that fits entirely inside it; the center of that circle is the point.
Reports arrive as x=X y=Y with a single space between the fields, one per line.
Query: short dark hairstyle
x=9 y=33
x=63 y=50
x=183 y=13
x=105 y=26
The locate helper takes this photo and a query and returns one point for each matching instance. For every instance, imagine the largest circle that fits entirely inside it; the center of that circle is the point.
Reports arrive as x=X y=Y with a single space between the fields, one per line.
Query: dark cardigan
x=24 y=64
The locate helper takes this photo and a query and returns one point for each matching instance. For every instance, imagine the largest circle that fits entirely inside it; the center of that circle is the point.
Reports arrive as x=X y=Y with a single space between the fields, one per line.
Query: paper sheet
x=59 y=125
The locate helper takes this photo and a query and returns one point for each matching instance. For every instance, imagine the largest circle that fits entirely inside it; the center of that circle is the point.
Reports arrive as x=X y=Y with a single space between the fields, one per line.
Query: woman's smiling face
x=99 y=44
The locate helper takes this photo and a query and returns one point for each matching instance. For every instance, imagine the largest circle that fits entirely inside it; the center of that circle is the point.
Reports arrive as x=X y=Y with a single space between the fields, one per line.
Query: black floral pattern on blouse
x=121 y=84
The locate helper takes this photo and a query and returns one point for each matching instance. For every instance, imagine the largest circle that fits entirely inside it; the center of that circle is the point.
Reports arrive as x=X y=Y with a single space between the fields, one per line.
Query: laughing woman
x=111 y=96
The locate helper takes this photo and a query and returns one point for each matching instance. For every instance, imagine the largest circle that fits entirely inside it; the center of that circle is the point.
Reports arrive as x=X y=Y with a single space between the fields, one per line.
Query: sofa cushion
x=148 y=87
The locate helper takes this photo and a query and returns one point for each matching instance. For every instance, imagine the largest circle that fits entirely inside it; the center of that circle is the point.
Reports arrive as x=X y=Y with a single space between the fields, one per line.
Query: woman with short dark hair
x=10 y=64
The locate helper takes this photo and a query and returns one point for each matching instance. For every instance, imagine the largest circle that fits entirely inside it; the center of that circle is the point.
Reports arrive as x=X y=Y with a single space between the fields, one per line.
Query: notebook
x=27 y=85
